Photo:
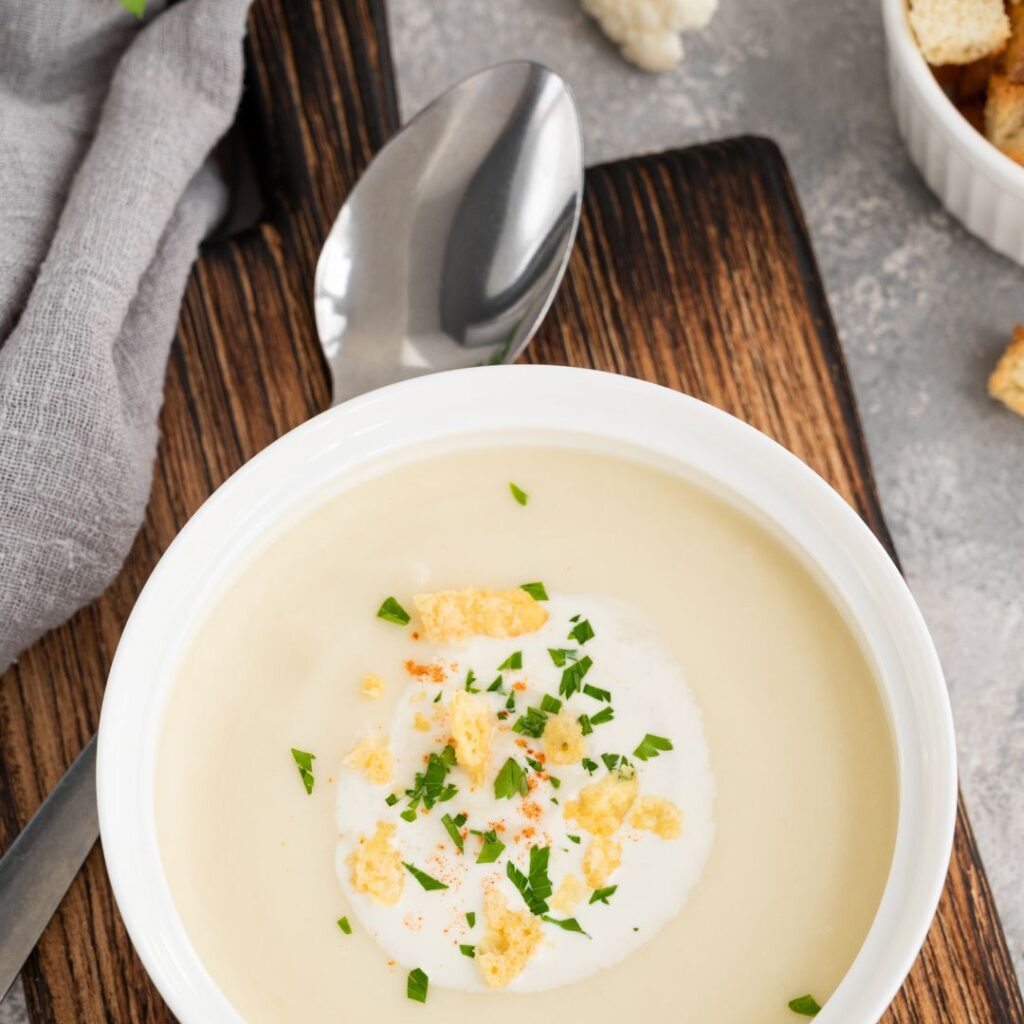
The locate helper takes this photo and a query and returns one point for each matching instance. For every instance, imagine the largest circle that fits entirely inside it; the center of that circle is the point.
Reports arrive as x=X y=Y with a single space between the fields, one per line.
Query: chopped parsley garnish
x=569 y=924
x=535 y=888
x=417 y=985
x=576 y=839
x=304 y=761
x=581 y=632
x=344 y=925
x=572 y=677
x=535 y=765
x=560 y=655
x=437 y=699
x=651 y=746
x=391 y=799
x=555 y=784
x=616 y=762
x=519 y=494
x=467 y=950
x=536 y=590
x=470 y=680
x=807 y=1006
x=513 y=661
x=591 y=766
x=491 y=850
x=510 y=704
x=531 y=724
x=550 y=705
x=604 y=715
x=510 y=780
x=429 y=785
x=601 y=895
x=597 y=693
x=585 y=725
x=452 y=826
x=392 y=611
x=408 y=815
x=575 y=618
x=496 y=686
x=427 y=881
x=471 y=918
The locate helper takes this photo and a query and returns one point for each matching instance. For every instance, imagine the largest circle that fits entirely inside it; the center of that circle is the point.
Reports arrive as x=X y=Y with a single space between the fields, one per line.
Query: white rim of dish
x=458 y=409
x=988 y=160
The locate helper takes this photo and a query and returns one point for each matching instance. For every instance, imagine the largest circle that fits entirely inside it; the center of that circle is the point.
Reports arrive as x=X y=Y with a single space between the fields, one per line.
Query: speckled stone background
x=923 y=310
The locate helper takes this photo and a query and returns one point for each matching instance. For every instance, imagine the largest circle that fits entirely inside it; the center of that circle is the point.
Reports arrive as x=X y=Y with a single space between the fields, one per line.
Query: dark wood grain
x=693 y=269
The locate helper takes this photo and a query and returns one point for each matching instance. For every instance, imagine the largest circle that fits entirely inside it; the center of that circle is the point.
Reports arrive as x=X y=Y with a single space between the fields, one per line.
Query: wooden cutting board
x=692 y=269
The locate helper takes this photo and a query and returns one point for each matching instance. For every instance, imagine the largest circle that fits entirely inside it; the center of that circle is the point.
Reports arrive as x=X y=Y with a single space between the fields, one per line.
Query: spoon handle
x=37 y=870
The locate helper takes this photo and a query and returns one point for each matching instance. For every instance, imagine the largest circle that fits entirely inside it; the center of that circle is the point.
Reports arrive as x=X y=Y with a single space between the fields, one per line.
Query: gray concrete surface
x=923 y=310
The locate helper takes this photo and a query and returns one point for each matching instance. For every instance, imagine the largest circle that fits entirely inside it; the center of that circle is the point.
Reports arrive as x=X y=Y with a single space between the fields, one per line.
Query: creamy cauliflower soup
x=525 y=733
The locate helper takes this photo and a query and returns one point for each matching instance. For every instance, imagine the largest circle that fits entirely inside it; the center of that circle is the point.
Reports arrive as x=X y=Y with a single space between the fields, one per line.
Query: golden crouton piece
x=563 y=739
x=450 y=616
x=569 y=892
x=376 y=866
x=959 y=31
x=600 y=862
x=1013 y=59
x=657 y=815
x=420 y=722
x=602 y=807
x=372 y=686
x=472 y=722
x=1007 y=380
x=372 y=757
x=512 y=938
x=1004 y=116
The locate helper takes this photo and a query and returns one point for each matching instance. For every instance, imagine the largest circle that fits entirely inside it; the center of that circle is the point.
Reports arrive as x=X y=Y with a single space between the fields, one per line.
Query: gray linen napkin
x=105 y=126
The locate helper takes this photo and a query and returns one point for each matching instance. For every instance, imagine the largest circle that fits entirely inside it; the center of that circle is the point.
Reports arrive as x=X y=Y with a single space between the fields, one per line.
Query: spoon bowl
x=449 y=250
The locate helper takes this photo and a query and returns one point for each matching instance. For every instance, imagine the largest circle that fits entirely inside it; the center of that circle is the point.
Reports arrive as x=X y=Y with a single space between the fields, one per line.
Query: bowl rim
x=701 y=441
x=987 y=159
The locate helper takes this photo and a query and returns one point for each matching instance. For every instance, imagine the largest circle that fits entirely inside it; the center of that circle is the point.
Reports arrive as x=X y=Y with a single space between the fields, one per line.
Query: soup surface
x=686 y=802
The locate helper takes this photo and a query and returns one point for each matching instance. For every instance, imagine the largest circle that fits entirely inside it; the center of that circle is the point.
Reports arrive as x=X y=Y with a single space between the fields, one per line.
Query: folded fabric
x=106 y=126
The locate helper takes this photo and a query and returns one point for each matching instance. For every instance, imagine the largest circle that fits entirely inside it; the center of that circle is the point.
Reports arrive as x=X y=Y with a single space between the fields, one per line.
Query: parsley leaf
x=427 y=881
x=496 y=686
x=569 y=924
x=536 y=590
x=575 y=839
x=453 y=830
x=510 y=780
x=550 y=705
x=591 y=766
x=585 y=725
x=807 y=1006
x=513 y=661
x=581 y=632
x=471 y=918
x=467 y=950
x=470 y=680
x=604 y=715
x=531 y=724
x=305 y=761
x=429 y=786
x=344 y=925
x=572 y=677
x=601 y=895
x=535 y=888
x=392 y=611
x=560 y=655
x=519 y=494
x=491 y=850
x=651 y=746
x=417 y=985
x=597 y=693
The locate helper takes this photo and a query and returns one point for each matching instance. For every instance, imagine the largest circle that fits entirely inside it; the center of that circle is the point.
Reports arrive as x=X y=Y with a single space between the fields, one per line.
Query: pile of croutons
x=976 y=51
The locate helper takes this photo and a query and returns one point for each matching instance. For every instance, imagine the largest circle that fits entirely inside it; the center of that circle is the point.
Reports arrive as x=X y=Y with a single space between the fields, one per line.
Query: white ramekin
x=537 y=404
x=981 y=186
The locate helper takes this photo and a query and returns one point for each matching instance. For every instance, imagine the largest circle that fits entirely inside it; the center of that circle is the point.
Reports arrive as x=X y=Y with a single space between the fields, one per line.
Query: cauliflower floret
x=600 y=861
x=602 y=807
x=372 y=686
x=373 y=758
x=569 y=892
x=451 y=616
x=376 y=866
x=563 y=739
x=512 y=938
x=657 y=815
x=648 y=30
x=472 y=722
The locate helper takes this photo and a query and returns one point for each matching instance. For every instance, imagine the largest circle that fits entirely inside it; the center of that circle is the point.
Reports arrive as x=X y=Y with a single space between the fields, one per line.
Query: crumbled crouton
x=373 y=758
x=512 y=938
x=1004 y=115
x=451 y=616
x=563 y=739
x=657 y=815
x=373 y=686
x=1007 y=380
x=569 y=892
x=472 y=722
x=1013 y=58
x=959 y=31
x=376 y=866
x=602 y=807
x=600 y=862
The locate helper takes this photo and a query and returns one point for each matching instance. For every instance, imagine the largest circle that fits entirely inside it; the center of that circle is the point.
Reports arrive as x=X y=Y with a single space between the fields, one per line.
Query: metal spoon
x=447 y=254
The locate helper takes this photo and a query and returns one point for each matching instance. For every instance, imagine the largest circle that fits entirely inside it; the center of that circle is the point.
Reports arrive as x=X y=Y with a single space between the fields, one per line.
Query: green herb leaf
x=391 y=799
x=601 y=895
x=596 y=692
x=585 y=725
x=519 y=494
x=535 y=888
x=604 y=715
x=531 y=724
x=429 y=786
x=417 y=985
x=469 y=951
x=560 y=655
x=409 y=815
x=437 y=699
x=536 y=590
x=576 y=839
x=305 y=760
x=492 y=849
x=569 y=924
x=513 y=661
x=510 y=780
x=572 y=677
x=427 y=881
x=618 y=763
x=591 y=766
x=470 y=680
x=581 y=632
x=550 y=705
x=453 y=830
x=510 y=704
x=344 y=925
x=471 y=918
x=535 y=765
x=651 y=746
x=807 y=1006
x=496 y=686
x=392 y=611
x=136 y=7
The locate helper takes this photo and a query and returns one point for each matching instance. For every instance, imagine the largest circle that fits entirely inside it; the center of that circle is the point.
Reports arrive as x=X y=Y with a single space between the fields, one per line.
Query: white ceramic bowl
x=982 y=187
x=469 y=408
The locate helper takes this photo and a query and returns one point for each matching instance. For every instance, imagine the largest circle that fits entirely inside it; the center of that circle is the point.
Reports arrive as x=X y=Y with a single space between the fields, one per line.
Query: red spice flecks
x=521 y=743
x=531 y=810
x=519 y=686
x=531 y=782
x=415 y=635
x=414 y=922
x=434 y=672
x=529 y=832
